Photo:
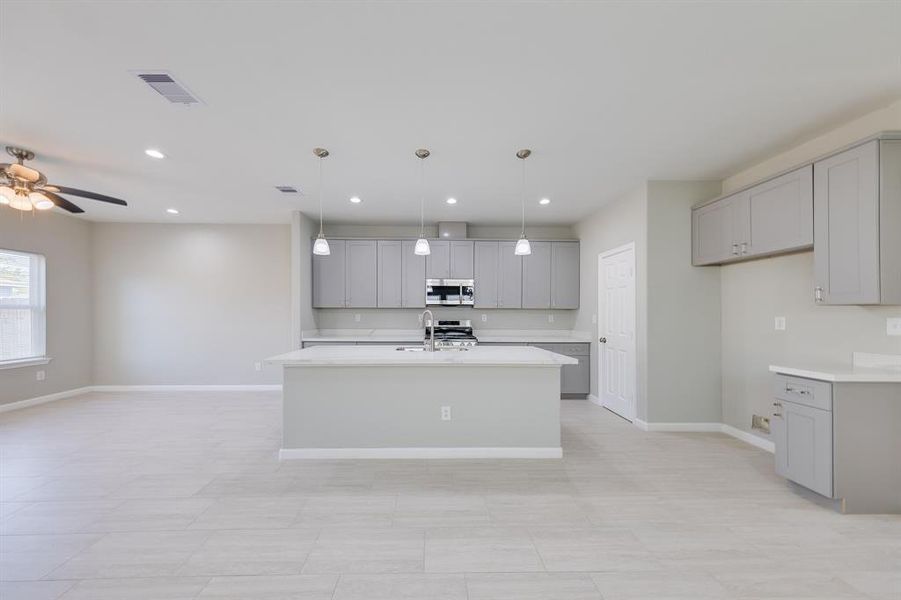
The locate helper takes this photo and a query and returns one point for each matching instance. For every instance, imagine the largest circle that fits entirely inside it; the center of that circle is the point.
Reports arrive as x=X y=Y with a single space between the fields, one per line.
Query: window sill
x=25 y=362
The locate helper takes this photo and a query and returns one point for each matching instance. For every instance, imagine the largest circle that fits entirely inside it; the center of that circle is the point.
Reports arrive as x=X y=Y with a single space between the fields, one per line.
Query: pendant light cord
x=421 y=197
x=523 y=198
x=320 y=196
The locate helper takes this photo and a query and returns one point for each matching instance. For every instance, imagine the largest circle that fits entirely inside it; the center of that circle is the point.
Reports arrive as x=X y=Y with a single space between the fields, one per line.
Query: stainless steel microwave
x=449 y=292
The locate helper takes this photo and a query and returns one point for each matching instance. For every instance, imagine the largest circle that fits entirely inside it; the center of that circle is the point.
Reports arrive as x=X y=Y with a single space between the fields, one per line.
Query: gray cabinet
x=564 y=274
x=575 y=380
x=857 y=219
x=437 y=263
x=712 y=233
x=536 y=276
x=390 y=274
x=413 y=277
x=461 y=260
x=498 y=275
x=329 y=277
x=361 y=274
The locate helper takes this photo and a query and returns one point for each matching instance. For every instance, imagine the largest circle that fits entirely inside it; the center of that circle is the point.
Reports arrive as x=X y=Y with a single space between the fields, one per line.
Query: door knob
x=602 y=340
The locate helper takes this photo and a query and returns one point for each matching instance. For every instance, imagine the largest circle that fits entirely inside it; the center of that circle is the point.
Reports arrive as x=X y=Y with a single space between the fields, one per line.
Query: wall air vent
x=286 y=189
x=164 y=84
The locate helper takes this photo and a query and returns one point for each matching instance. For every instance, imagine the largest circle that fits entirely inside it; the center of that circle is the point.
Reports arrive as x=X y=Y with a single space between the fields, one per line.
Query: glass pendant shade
x=523 y=247
x=40 y=201
x=320 y=246
x=6 y=194
x=20 y=202
x=422 y=247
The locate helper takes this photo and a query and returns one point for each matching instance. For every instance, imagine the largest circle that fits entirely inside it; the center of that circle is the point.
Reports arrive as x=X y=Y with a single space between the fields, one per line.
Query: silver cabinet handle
x=777 y=415
x=789 y=389
x=777 y=404
x=735 y=249
x=818 y=294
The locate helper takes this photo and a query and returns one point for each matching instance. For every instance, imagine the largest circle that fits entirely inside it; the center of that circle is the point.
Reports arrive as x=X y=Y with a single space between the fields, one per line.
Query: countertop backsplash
x=407 y=318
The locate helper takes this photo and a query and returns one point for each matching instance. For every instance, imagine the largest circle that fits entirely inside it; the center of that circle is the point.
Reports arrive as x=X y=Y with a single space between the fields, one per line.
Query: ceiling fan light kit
x=26 y=189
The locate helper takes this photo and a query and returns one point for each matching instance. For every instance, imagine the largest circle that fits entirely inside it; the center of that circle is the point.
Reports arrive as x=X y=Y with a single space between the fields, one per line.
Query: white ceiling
x=606 y=94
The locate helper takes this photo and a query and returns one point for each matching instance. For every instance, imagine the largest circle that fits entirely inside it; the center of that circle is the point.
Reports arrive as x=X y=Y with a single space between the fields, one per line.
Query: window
x=23 y=309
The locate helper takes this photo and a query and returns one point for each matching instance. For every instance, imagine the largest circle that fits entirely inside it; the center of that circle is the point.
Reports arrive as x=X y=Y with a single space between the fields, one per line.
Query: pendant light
x=422 y=245
x=320 y=246
x=523 y=247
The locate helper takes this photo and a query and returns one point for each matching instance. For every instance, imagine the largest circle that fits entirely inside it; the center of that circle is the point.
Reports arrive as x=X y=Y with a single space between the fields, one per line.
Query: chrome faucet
x=429 y=343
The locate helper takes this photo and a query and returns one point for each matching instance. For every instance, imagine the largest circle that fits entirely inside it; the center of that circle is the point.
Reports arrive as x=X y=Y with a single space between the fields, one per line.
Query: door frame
x=600 y=299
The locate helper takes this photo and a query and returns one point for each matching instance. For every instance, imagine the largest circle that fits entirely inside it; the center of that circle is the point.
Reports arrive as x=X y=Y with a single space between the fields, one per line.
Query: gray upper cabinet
x=390 y=274
x=536 y=276
x=564 y=274
x=509 y=276
x=461 y=260
x=413 y=277
x=486 y=275
x=361 y=274
x=857 y=219
x=329 y=277
x=438 y=262
x=772 y=217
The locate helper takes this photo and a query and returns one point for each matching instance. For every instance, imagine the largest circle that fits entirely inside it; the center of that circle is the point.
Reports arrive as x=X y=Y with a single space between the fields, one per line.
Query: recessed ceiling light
x=544 y=201
x=153 y=153
x=355 y=199
x=451 y=200
x=172 y=211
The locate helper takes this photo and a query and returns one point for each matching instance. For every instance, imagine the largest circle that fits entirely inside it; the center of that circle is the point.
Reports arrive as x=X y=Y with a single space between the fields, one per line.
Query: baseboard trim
x=416 y=453
x=19 y=404
x=594 y=399
x=643 y=425
x=683 y=427
x=187 y=388
x=750 y=438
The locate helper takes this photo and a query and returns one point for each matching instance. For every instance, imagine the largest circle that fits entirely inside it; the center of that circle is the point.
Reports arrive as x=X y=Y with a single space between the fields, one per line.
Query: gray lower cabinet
x=329 y=277
x=575 y=380
x=390 y=274
x=498 y=275
x=564 y=274
x=361 y=274
x=413 y=279
x=857 y=219
x=536 y=276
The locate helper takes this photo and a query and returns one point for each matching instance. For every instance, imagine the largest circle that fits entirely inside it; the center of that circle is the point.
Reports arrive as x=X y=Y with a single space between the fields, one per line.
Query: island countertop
x=512 y=356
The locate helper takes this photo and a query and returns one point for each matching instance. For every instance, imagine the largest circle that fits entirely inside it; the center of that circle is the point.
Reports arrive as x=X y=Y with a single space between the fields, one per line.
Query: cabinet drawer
x=809 y=392
x=566 y=349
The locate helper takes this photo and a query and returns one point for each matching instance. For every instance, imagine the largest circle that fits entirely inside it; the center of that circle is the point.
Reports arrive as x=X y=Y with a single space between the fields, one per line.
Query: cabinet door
x=461 y=260
x=509 y=273
x=846 y=226
x=536 y=276
x=781 y=213
x=565 y=275
x=712 y=234
x=390 y=274
x=437 y=264
x=361 y=279
x=413 y=277
x=803 y=437
x=486 y=275
x=575 y=379
x=329 y=277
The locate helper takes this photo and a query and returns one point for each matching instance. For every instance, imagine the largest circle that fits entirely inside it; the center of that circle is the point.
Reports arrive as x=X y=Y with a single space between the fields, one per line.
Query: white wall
x=190 y=304
x=66 y=244
x=615 y=224
x=753 y=293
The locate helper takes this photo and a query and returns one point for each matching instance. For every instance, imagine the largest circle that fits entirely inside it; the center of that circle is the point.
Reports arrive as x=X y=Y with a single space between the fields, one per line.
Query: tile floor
x=180 y=495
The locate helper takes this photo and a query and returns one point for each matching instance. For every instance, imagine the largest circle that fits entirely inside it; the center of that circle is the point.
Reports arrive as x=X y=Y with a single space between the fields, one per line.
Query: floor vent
x=167 y=87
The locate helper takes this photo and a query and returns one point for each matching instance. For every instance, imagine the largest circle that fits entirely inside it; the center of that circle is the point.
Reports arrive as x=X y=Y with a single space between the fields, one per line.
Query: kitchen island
x=381 y=402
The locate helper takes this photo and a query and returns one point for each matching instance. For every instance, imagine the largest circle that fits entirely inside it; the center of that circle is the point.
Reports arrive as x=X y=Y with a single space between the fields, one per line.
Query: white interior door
x=616 y=330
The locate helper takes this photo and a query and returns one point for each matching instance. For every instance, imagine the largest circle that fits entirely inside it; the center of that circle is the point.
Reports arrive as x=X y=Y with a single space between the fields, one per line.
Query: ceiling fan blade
x=91 y=195
x=62 y=202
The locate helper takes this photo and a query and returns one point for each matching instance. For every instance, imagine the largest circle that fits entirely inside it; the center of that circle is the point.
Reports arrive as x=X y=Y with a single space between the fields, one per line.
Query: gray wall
x=190 y=304
x=753 y=293
x=684 y=381
x=66 y=244
x=617 y=223
x=303 y=317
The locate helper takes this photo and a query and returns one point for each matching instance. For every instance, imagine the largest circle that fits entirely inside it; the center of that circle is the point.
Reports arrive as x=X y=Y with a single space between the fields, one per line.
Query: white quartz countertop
x=512 y=356
x=508 y=336
x=864 y=368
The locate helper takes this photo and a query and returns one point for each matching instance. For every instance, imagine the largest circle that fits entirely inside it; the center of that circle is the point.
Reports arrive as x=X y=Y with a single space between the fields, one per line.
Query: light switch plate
x=550 y=318
x=893 y=326
x=484 y=318
x=258 y=366
x=41 y=375
x=357 y=317
x=780 y=323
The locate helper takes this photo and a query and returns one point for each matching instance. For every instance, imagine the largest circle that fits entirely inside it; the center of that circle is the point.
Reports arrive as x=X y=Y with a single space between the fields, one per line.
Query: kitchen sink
x=422 y=349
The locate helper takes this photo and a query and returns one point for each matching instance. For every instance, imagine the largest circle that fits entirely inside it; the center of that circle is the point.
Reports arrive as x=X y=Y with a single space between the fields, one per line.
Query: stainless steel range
x=452 y=334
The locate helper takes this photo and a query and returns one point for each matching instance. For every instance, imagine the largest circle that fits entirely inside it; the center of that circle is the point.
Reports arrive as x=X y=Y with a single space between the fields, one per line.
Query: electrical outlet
x=484 y=318
x=258 y=366
x=357 y=317
x=445 y=413
x=41 y=375
x=780 y=323
x=893 y=326
x=760 y=423
x=550 y=318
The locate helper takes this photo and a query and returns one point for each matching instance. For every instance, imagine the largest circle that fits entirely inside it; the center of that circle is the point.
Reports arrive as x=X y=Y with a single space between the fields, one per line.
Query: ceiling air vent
x=286 y=189
x=168 y=88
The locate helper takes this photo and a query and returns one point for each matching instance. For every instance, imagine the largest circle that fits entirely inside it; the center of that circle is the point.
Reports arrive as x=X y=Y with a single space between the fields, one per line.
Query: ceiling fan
x=24 y=188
